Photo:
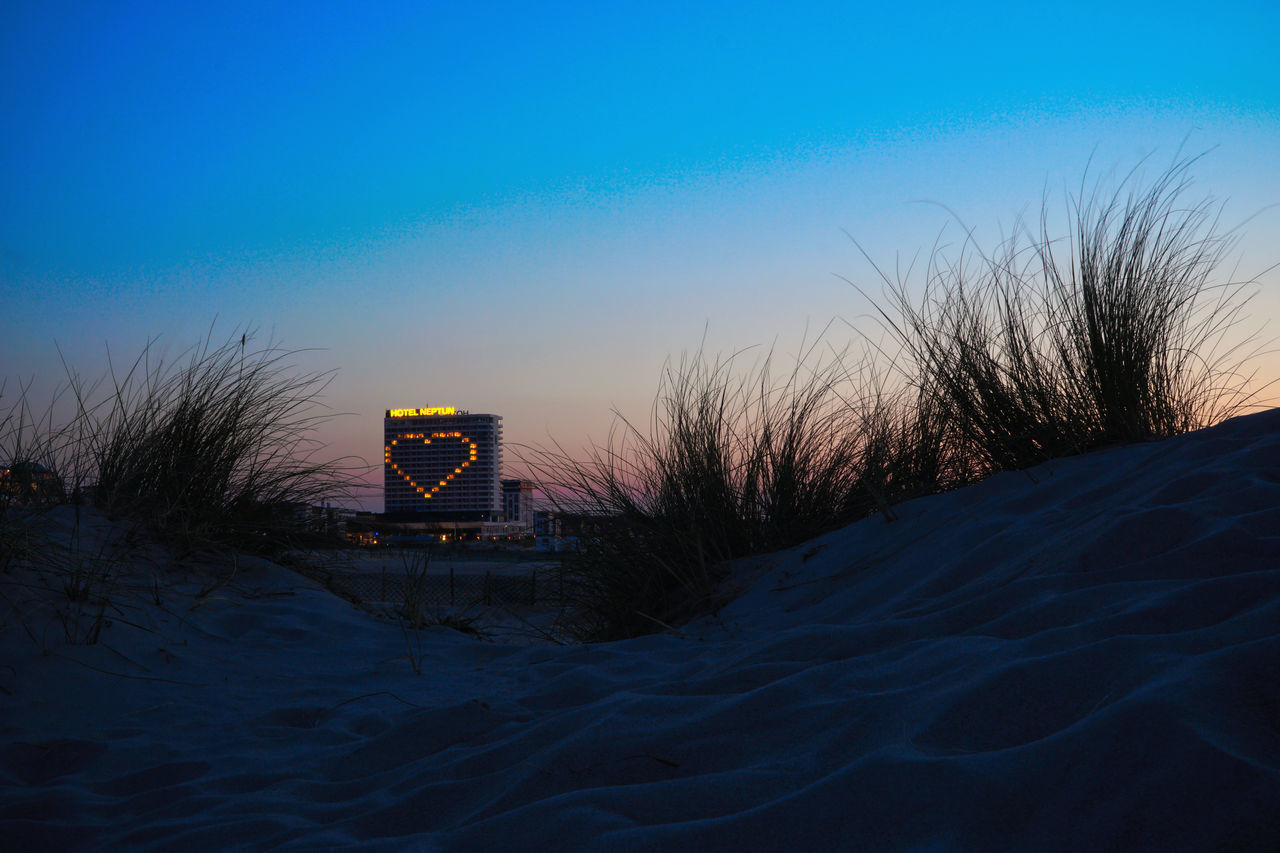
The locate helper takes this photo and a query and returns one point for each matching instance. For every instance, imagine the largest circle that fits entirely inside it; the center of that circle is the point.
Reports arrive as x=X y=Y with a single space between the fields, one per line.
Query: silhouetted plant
x=732 y=465
x=1036 y=352
x=217 y=450
x=1007 y=359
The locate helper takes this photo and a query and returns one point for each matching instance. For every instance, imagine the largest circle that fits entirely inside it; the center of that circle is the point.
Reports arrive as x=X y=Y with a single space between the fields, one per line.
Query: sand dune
x=1085 y=656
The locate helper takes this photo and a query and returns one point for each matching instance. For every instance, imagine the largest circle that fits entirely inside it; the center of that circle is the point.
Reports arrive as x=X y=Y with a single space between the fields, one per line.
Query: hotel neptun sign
x=421 y=413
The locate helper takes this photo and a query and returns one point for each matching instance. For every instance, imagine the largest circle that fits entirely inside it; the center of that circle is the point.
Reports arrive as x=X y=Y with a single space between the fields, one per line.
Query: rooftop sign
x=417 y=413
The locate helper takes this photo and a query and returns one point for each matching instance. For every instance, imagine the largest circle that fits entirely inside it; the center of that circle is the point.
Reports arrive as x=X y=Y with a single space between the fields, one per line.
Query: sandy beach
x=1081 y=656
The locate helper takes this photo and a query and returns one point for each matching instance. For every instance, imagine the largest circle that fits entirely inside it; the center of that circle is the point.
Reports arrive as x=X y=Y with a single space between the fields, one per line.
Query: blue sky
x=524 y=208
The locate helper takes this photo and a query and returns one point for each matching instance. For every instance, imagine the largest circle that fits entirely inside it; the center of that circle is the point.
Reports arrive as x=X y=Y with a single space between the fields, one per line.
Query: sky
x=527 y=208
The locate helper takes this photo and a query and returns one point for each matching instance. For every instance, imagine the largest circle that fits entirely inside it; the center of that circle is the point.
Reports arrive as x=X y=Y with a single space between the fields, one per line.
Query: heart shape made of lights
x=429 y=462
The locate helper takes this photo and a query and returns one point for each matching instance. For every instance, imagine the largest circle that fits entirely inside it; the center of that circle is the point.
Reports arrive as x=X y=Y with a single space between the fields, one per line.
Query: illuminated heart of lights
x=438 y=466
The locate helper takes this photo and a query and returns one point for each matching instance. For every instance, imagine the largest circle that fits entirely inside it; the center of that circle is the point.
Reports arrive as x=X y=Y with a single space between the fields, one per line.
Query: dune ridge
x=1083 y=655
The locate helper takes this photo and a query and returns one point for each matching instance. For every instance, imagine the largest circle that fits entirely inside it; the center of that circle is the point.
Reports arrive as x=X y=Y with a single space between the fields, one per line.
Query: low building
x=30 y=482
x=517 y=504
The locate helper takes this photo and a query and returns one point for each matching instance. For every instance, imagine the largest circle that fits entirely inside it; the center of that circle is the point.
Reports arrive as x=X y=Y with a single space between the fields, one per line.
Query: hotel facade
x=442 y=464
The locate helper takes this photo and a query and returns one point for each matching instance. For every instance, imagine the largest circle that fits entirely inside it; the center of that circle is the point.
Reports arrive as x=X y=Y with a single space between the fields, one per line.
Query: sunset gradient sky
x=525 y=208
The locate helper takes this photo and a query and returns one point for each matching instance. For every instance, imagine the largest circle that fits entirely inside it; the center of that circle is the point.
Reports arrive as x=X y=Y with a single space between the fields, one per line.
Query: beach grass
x=215 y=449
x=1122 y=331
x=735 y=462
x=1119 y=332
x=213 y=452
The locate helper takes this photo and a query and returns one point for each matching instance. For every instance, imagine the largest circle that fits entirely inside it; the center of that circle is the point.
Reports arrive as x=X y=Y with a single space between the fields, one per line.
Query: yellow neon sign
x=419 y=413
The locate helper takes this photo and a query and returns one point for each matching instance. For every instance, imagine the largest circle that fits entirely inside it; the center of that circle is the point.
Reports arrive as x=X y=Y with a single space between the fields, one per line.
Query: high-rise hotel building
x=443 y=464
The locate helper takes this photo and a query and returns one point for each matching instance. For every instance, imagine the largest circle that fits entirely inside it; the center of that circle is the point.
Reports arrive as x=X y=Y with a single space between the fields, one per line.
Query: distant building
x=442 y=464
x=517 y=503
x=29 y=482
x=546 y=525
x=569 y=531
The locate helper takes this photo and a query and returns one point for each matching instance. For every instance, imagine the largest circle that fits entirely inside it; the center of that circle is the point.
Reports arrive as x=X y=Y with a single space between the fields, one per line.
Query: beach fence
x=454 y=590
